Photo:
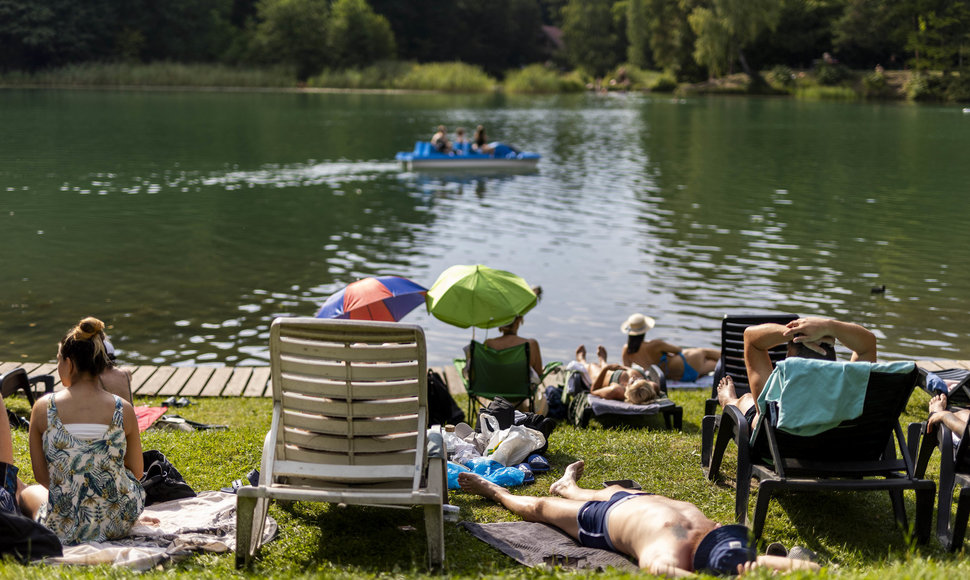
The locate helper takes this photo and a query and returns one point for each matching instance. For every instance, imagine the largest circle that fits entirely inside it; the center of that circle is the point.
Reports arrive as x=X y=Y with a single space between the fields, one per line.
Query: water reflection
x=190 y=220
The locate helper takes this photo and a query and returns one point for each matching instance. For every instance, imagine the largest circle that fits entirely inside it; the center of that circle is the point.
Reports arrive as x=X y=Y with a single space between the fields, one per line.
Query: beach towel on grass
x=539 y=545
x=206 y=522
x=148 y=415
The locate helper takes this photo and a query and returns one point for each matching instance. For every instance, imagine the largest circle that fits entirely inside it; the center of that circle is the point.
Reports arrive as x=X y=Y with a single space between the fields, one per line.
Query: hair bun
x=88 y=328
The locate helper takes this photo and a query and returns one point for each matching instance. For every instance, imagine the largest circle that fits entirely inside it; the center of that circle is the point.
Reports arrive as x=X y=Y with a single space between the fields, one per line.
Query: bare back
x=658 y=531
x=117 y=382
x=509 y=340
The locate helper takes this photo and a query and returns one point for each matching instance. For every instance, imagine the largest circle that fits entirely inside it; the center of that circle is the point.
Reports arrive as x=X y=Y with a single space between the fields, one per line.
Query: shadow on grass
x=366 y=540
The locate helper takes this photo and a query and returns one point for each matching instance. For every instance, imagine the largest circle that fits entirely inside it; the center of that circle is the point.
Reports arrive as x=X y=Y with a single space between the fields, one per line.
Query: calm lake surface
x=189 y=220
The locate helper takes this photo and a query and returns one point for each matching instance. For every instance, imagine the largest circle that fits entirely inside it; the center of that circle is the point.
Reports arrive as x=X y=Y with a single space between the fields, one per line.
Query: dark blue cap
x=722 y=549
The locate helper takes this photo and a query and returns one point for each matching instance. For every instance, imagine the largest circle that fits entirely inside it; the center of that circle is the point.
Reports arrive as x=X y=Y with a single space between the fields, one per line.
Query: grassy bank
x=821 y=83
x=159 y=74
x=853 y=534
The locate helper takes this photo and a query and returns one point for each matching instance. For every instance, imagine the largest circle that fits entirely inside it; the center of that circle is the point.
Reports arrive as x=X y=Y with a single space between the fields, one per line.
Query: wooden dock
x=203 y=381
x=196 y=381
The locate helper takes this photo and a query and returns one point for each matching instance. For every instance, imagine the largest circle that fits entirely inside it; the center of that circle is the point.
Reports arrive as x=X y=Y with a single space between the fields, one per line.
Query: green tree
x=293 y=32
x=939 y=33
x=725 y=27
x=40 y=33
x=638 y=51
x=357 y=35
x=803 y=33
x=589 y=32
x=870 y=32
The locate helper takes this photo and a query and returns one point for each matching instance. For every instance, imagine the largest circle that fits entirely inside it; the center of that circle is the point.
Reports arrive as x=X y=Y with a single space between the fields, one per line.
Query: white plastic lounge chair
x=349 y=425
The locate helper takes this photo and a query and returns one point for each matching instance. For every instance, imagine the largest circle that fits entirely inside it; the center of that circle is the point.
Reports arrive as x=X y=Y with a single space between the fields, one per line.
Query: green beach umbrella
x=479 y=296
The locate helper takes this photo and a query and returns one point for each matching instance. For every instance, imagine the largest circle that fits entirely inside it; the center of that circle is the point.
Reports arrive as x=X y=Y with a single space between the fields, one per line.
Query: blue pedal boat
x=424 y=156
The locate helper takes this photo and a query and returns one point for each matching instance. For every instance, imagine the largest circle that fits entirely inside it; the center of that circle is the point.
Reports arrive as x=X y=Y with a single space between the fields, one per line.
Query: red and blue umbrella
x=386 y=298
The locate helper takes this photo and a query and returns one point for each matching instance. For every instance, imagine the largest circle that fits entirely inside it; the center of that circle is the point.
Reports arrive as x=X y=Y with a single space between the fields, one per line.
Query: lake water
x=189 y=220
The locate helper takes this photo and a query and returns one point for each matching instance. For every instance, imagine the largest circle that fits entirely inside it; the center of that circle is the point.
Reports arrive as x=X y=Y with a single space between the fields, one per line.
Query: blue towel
x=816 y=395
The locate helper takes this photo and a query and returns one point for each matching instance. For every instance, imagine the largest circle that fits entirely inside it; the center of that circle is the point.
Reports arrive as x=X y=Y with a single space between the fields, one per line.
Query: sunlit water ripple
x=681 y=209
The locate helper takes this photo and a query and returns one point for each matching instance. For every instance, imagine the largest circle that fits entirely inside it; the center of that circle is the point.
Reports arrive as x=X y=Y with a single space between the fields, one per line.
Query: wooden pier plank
x=139 y=376
x=198 y=381
x=150 y=387
x=450 y=373
x=176 y=383
x=7 y=367
x=256 y=387
x=237 y=383
x=217 y=382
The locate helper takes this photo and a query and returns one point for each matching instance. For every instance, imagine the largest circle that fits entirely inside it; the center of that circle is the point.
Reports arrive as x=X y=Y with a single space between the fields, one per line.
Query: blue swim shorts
x=592 y=518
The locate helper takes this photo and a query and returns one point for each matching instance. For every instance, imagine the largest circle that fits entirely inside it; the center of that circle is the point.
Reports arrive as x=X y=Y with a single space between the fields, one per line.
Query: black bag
x=25 y=539
x=442 y=408
x=499 y=408
x=162 y=482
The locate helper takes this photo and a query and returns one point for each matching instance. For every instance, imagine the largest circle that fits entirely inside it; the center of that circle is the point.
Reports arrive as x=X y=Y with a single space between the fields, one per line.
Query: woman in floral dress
x=85 y=448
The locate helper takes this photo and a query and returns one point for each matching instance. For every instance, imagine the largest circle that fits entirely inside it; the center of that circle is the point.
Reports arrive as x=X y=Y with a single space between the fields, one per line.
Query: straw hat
x=637 y=324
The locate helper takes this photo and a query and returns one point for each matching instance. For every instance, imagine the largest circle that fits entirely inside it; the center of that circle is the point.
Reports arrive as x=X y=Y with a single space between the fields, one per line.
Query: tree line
x=688 y=39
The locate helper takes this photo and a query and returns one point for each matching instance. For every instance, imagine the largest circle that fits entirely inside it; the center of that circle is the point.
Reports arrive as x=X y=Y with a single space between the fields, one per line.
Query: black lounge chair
x=732 y=351
x=17 y=380
x=954 y=471
x=856 y=455
x=732 y=365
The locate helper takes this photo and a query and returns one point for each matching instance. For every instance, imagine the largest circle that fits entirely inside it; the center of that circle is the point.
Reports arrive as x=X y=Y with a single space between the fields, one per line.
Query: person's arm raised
x=758 y=341
x=856 y=338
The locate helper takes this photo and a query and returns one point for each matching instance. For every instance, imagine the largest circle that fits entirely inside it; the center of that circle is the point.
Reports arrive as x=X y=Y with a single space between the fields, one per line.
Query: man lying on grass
x=666 y=536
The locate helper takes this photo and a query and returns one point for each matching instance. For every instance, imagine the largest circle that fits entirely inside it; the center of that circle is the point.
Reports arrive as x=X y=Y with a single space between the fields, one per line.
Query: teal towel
x=816 y=395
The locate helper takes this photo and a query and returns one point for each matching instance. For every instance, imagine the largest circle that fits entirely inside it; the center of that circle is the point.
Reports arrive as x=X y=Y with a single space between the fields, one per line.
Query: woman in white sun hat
x=678 y=364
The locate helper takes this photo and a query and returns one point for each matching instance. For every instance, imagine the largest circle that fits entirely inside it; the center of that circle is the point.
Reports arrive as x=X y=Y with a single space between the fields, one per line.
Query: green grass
x=854 y=534
x=824 y=93
x=158 y=74
x=538 y=79
x=446 y=76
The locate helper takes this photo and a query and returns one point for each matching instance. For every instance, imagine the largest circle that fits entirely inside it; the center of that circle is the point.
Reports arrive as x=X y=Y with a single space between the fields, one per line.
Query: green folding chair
x=499 y=373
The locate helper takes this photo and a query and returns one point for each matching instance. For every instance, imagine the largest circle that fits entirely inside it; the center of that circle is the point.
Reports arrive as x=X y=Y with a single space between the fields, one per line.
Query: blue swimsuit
x=690 y=375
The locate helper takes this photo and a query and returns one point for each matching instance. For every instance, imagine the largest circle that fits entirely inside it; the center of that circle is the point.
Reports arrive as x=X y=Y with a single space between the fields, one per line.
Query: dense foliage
x=687 y=39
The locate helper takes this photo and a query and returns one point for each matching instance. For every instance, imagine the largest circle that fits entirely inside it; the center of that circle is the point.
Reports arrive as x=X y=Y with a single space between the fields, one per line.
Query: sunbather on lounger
x=809 y=337
x=666 y=536
x=613 y=381
x=956 y=419
x=677 y=363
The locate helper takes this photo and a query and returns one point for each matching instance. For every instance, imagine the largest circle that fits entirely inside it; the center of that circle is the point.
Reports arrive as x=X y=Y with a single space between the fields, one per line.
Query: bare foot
x=601 y=353
x=574 y=471
x=937 y=407
x=726 y=395
x=149 y=520
x=581 y=353
x=476 y=484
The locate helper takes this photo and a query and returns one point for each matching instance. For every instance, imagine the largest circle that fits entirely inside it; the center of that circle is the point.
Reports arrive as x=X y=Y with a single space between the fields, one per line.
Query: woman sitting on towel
x=678 y=364
x=617 y=382
x=85 y=448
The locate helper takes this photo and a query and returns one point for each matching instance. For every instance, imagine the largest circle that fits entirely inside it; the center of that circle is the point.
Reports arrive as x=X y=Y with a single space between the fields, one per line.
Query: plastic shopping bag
x=513 y=445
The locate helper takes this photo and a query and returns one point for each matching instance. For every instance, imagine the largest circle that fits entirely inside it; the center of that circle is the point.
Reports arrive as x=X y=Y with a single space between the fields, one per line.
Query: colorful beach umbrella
x=386 y=298
x=479 y=296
